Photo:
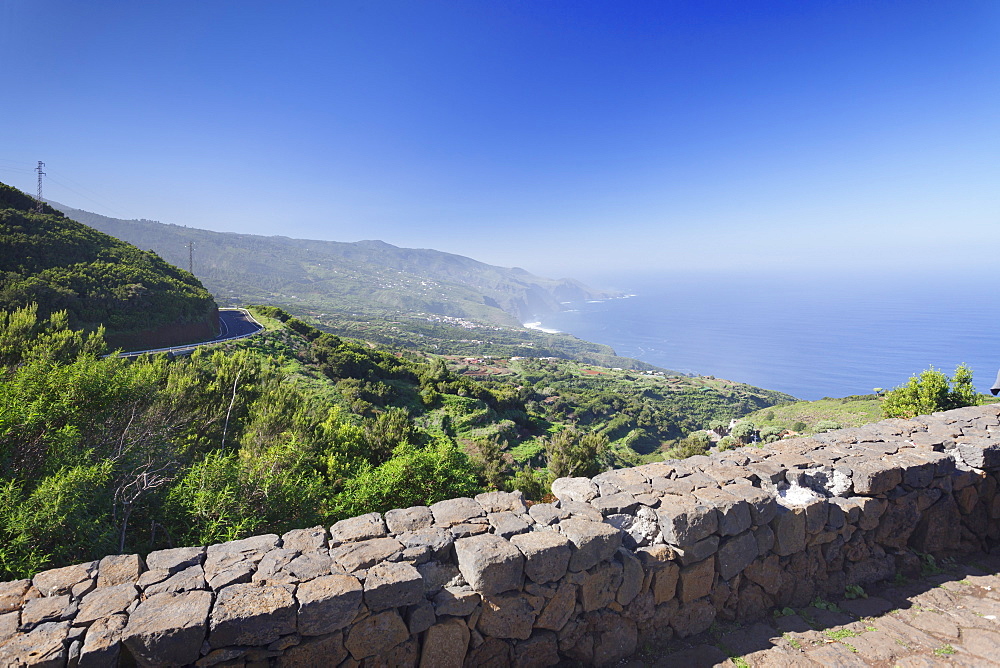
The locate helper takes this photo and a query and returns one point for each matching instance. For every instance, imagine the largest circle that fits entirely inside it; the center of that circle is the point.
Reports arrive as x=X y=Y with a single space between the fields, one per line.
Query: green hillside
x=810 y=417
x=293 y=428
x=367 y=277
x=60 y=264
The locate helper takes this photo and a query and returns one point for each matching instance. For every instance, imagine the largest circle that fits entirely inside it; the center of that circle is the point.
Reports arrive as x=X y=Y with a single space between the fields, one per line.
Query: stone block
x=574 y=489
x=9 y=623
x=467 y=529
x=664 y=585
x=175 y=559
x=872 y=477
x=313 y=539
x=104 y=602
x=189 y=579
x=789 y=527
x=456 y=602
x=817 y=514
x=498 y=502
x=700 y=551
x=393 y=585
x=446 y=645
x=47 y=609
x=980 y=454
x=600 y=585
x=541 y=649
x=546 y=555
x=376 y=634
x=547 y=513
x=615 y=504
x=615 y=639
x=581 y=511
x=763 y=505
x=271 y=568
x=309 y=565
x=119 y=569
x=870 y=512
x=12 y=594
x=317 y=652
x=638 y=530
x=408 y=519
x=559 y=609
x=632 y=577
x=693 y=618
x=327 y=604
x=508 y=615
x=733 y=512
x=43 y=647
x=735 y=554
x=365 y=553
x=696 y=580
x=437 y=540
x=506 y=524
x=420 y=617
x=437 y=574
x=168 y=629
x=764 y=535
x=592 y=542
x=456 y=511
x=684 y=521
x=235 y=562
x=62 y=580
x=362 y=527
x=102 y=644
x=251 y=614
x=490 y=564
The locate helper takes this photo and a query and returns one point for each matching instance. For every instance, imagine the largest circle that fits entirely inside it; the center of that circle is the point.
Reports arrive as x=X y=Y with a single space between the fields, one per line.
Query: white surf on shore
x=538 y=326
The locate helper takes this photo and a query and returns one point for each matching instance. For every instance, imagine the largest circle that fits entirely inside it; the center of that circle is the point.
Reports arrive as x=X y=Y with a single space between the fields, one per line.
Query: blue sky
x=570 y=138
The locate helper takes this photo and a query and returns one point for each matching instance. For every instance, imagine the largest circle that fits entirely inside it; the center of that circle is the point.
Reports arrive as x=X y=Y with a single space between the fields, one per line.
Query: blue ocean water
x=810 y=338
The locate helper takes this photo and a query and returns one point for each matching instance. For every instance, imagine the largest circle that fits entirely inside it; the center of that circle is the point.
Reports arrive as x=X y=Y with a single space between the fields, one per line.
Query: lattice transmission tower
x=38 y=207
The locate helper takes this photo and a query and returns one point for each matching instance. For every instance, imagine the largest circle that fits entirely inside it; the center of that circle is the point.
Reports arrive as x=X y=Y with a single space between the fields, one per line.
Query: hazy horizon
x=570 y=139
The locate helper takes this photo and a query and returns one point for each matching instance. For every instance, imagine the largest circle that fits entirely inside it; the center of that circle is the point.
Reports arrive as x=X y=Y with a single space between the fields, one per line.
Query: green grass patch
x=840 y=634
x=944 y=650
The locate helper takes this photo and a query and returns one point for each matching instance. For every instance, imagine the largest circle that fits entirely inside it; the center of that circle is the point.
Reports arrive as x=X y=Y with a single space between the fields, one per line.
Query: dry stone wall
x=650 y=552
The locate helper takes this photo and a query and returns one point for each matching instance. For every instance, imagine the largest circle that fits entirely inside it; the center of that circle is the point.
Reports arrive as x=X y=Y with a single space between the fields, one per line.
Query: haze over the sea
x=811 y=338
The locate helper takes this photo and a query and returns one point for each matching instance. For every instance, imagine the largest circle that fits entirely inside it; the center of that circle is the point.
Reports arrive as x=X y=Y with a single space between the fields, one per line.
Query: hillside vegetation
x=368 y=277
x=456 y=336
x=62 y=265
x=290 y=429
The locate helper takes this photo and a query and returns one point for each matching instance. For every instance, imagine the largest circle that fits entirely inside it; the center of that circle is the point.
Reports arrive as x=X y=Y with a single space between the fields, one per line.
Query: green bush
x=929 y=391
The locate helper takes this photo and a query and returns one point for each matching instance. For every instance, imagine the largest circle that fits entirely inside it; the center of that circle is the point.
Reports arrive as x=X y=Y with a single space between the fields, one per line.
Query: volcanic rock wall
x=650 y=552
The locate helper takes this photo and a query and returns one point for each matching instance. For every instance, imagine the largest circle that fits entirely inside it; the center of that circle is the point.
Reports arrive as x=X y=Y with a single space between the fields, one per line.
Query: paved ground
x=945 y=618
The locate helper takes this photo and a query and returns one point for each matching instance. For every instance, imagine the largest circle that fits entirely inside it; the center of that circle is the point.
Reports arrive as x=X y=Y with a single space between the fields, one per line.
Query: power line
x=86 y=197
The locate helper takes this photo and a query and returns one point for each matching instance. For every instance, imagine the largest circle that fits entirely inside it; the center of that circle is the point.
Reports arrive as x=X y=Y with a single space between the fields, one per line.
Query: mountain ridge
x=370 y=276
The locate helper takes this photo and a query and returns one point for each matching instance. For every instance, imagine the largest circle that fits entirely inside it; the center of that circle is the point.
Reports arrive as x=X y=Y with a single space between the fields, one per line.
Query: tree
x=575 y=454
x=744 y=432
x=929 y=391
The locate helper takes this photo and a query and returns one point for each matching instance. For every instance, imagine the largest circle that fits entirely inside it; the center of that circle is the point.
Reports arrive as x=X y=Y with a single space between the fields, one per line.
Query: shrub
x=929 y=391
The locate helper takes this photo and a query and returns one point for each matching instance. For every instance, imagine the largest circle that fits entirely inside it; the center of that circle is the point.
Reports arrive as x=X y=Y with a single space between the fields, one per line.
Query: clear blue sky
x=570 y=138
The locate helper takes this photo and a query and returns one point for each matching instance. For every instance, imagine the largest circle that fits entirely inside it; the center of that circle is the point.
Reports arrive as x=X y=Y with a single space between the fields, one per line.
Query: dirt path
x=948 y=616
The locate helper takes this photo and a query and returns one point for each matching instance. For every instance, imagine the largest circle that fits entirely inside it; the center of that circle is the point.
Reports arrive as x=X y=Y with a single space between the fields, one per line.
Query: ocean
x=810 y=337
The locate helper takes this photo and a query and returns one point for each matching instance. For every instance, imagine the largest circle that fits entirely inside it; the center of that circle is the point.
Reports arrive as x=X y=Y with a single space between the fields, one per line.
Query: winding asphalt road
x=234 y=323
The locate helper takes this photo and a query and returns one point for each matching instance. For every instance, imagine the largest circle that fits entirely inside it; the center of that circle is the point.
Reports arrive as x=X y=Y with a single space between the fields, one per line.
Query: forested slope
x=60 y=264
